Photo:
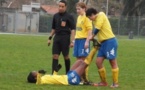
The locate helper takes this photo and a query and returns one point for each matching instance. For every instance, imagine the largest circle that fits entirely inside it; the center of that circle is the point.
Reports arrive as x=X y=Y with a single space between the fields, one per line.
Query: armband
x=95 y=31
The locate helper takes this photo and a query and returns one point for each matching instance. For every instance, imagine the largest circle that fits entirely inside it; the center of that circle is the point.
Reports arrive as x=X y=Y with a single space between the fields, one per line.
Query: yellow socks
x=115 y=73
x=54 y=72
x=102 y=73
x=89 y=58
x=86 y=72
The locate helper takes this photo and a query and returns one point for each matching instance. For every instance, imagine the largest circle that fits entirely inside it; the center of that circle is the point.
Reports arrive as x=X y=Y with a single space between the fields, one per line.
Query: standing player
x=72 y=77
x=108 y=49
x=63 y=27
x=82 y=37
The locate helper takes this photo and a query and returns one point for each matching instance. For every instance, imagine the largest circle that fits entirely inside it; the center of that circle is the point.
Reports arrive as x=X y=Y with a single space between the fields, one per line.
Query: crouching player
x=72 y=77
x=108 y=48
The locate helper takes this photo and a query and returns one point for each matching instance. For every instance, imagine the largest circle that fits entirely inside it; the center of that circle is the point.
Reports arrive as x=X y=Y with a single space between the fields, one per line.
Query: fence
x=20 y=22
x=12 y=21
x=126 y=25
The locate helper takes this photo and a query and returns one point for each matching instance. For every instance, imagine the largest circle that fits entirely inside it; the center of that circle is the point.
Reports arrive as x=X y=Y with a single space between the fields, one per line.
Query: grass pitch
x=20 y=54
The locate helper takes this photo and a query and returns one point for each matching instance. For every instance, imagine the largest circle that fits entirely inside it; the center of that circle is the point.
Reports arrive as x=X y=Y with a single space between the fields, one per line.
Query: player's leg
x=112 y=54
x=56 y=52
x=65 y=42
x=83 y=53
x=101 y=68
x=115 y=73
x=89 y=58
x=57 y=69
x=75 y=65
x=81 y=68
x=101 y=71
x=76 y=72
x=96 y=46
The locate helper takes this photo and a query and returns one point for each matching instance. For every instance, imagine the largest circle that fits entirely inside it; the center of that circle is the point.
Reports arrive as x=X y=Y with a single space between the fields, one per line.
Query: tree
x=71 y=5
x=1 y=2
x=133 y=7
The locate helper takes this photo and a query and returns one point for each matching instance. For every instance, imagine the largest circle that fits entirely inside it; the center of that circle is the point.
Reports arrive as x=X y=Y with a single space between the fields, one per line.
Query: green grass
x=20 y=54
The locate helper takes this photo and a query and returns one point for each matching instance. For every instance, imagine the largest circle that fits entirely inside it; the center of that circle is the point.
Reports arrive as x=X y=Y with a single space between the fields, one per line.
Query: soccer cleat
x=100 y=84
x=114 y=85
x=58 y=67
x=87 y=83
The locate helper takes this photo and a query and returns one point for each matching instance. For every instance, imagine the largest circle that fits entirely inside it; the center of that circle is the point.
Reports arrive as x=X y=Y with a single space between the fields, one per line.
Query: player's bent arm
x=89 y=36
x=95 y=31
x=72 y=35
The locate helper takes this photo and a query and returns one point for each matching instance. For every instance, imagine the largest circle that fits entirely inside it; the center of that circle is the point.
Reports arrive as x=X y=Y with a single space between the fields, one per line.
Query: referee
x=63 y=27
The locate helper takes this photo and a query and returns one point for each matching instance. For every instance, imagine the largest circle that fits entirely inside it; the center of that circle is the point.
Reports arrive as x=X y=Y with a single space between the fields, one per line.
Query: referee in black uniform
x=63 y=27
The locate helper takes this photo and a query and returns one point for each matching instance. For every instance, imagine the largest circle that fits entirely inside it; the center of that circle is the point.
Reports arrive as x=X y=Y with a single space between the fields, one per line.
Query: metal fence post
x=138 y=26
x=119 y=25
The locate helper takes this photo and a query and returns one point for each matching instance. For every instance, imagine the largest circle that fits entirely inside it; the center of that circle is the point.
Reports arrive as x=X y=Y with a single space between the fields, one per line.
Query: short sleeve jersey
x=82 y=27
x=52 y=79
x=103 y=25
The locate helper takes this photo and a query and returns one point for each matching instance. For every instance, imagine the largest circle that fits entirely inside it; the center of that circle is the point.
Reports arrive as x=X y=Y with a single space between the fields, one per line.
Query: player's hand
x=91 y=38
x=95 y=43
x=71 y=44
x=49 y=42
x=42 y=71
x=86 y=45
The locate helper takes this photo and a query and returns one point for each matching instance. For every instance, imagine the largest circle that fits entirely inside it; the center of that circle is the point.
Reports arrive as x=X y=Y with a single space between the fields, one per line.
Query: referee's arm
x=52 y=32
x=72 y=27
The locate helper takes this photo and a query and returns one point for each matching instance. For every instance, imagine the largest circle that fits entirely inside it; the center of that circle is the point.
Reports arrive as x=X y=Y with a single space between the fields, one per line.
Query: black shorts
x=61 y=44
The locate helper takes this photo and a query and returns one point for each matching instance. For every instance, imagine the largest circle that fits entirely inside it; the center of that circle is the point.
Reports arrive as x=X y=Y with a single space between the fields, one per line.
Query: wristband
x=73 y=41
x=50 y=37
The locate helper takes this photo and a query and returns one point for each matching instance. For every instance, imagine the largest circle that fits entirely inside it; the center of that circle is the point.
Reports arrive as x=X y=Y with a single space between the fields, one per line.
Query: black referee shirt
x=63 y=23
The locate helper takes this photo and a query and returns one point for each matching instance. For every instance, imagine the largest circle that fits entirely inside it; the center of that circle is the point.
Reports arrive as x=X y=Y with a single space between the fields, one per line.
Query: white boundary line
x=30 y=34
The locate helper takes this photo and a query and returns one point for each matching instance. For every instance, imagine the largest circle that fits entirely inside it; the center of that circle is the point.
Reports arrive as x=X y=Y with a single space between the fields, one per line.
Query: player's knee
x=97 y=62
x=80 y=61
x=55 y=56
x=66 y=57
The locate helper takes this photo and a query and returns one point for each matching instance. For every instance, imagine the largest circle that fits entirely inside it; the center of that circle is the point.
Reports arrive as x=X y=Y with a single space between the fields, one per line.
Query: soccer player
x=63 y=29
x=108 y=49
x=83 y=33
x=72 y=77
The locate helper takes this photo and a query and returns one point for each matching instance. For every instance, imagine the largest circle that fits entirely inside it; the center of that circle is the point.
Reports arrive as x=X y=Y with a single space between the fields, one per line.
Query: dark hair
x=63 y=1
x=31 y=78
x=91 y=11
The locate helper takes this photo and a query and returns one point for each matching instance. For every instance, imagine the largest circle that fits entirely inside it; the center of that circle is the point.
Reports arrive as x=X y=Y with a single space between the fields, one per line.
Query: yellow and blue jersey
x=52 y=79
x=103 y=25
x=72 y=78
x=82 y=27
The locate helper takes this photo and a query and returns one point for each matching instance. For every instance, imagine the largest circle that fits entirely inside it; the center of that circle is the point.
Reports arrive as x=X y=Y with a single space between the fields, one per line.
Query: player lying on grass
x=72 y=77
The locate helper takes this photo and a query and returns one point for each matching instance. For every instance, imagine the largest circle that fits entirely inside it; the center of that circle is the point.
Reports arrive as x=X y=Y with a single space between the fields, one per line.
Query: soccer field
x=20 y=54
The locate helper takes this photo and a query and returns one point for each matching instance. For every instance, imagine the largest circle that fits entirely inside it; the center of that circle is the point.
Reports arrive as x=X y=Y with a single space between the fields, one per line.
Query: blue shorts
x=73 y=78
x=79 y=48
x=108 y=49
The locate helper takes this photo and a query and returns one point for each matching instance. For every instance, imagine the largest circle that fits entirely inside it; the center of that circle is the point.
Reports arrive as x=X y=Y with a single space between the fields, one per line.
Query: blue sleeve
x=95 y=31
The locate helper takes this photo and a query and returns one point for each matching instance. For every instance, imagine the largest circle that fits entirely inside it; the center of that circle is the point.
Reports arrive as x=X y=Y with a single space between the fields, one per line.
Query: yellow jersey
x=102 y=23
x=52 y=79
x=82 y=27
